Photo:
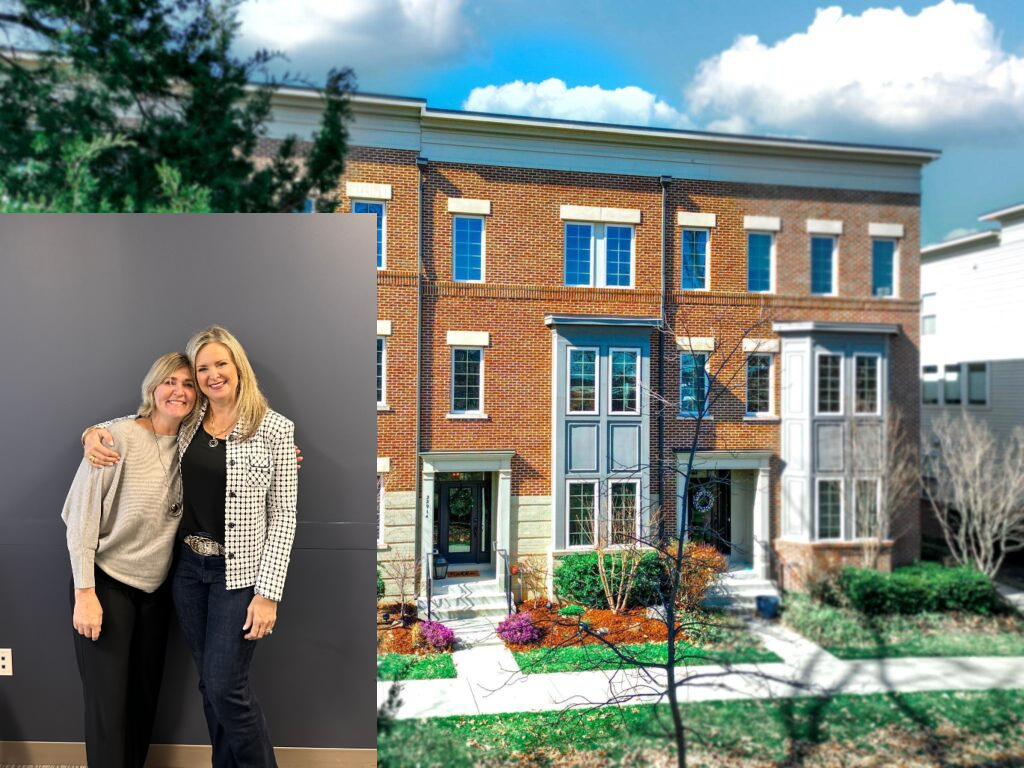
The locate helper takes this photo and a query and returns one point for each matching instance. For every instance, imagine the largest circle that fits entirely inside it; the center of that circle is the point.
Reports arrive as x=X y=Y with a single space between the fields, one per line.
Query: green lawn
x=935 y=728
x=850 y=635
x=589 y=657
x=402 y=666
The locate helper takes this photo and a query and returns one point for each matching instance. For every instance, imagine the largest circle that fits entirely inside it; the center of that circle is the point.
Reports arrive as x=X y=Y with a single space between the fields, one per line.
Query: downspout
x=662 y=330
x=421 y=166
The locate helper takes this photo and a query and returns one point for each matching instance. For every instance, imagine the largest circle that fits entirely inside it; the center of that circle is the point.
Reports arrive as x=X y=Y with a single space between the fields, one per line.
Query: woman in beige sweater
x=122 y=520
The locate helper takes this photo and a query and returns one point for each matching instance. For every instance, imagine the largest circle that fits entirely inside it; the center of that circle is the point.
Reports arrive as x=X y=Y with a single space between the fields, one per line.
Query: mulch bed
x=633 y=626
x=391 y=636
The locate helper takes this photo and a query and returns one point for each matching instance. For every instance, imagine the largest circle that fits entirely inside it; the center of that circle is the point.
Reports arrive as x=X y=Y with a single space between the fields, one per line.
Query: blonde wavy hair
x=158 y=372
x=251 y=404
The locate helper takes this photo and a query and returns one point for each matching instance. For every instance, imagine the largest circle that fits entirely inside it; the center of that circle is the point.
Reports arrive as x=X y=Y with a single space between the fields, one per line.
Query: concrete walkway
x=489 y=681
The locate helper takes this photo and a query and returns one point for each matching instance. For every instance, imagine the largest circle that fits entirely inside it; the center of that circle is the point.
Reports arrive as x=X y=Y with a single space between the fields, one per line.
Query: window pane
x=468 y=248
x=759 y=383
x=578 y=246
x=829 y=509
x=977 y=384
x=623 y=514
x=380 y=504
x=882 y=267
x=951 y=389
x=695 y=259
x=581 y=514
x=377 y=208
x=380 y=370
x=821 y=264
x=759 y=261
x=692 y=384
x=928 y=325
x=930 y=385
x=624 y=381
x=618 y=254
x=466 y=379
x=866 y=385
x=829 y=371
x=582 y=380
x=867 y=520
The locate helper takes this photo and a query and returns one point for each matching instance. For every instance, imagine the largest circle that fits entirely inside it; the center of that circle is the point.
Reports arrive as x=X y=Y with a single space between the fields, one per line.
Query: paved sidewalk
x=1013 y=595
x=489 y=681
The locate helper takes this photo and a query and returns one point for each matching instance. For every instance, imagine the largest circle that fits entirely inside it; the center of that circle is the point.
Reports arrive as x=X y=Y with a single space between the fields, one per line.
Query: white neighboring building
x=972 y=313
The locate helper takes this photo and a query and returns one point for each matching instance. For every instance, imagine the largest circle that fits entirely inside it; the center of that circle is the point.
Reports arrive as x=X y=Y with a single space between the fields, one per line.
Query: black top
x=204 y=476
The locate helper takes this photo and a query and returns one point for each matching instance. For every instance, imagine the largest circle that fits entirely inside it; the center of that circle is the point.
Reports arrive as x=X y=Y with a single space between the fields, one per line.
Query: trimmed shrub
x=380 y=585
x=571 y=610
x=577 y=579
x=433 y=635
x=919 y=588
x=519 y=628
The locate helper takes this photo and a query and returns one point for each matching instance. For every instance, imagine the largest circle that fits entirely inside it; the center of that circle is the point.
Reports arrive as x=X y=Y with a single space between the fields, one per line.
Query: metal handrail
x=509 y=604
x=429 y=576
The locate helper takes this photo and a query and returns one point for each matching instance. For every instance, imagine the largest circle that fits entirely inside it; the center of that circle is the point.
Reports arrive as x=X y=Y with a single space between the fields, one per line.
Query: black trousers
x=121 y=672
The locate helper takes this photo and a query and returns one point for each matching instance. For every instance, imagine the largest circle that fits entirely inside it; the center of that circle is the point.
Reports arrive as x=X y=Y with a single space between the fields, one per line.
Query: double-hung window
x=760 y=246
x=830 y=384
x=866 y=520
x=865 y=384
x=376 y=207
x=581 y=520
x=624 y=391
x=381 y=370
x=582 y=396
x=624 y=511
x=883 y=267
x=695 y=259
x=693 y=384
x=759 y=385
x=927 y=314
x=823 y=267
x=830 y=508
x=468 y=249
x=467 y=380
x=599 y=255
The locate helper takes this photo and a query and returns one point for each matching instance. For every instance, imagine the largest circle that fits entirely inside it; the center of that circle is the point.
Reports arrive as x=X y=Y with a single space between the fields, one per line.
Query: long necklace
x=214 y=442
x=175 y=509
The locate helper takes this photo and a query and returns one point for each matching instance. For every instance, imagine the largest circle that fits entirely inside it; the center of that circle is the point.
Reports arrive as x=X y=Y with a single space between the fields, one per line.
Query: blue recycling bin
x=767 y=606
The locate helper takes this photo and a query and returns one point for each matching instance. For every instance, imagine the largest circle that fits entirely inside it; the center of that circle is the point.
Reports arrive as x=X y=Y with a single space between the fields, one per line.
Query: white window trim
x=835 y=263
x=770 y=413
x=854 y=513
x=599 y=255
x=878 y=384
x=693 y=415
x=707 y=259
x=451 y=385
x=594 y=483
x=597 y=381
x=380 y=514
x=636 y=512
x=817 y=383
x=483 y=248
x=966 y=386
x=611 y=354
x=771 y=260
x=382 y=404
x=817 y=507
x=895 y=267
x=383 y=227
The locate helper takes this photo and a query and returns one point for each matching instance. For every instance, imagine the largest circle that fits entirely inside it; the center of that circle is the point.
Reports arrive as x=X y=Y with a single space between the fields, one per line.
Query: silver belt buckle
x=204 y=546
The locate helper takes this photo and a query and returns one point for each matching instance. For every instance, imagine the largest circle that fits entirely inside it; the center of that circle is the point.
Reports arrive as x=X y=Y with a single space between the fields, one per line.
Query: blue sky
x=939 y=74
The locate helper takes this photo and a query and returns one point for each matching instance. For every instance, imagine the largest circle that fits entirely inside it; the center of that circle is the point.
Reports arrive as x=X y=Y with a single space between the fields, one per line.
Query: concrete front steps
x=465 y=600
x=738 y=590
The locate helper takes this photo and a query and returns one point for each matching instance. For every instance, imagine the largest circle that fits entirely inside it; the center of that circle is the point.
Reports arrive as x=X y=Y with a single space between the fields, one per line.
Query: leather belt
x=204 y=546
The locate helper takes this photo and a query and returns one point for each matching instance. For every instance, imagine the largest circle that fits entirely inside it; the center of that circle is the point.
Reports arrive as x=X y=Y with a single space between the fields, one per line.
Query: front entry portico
x=729 y=502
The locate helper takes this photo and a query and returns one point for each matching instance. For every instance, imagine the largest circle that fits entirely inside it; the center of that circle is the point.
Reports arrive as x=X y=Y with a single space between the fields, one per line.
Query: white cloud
x=958 y=232
x=942 y=72
x=374 y=37
x=553 y=98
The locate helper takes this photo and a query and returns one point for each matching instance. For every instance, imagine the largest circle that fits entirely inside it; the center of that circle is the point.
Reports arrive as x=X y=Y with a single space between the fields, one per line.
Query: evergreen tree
x=161 y=76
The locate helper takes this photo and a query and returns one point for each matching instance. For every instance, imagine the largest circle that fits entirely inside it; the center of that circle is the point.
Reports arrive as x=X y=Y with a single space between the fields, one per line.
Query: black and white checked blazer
x=259 y=503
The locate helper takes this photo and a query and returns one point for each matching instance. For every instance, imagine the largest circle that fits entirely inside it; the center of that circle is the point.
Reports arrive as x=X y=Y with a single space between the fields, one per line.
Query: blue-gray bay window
x=624 y=516
x=468 y=248
x=883 y=267
x=823 y=250
x=830 y=508
x=376 y=207
x=625 y=381
x=581 y=513
x=582 y=380
x=695 y=259
x=759 y=262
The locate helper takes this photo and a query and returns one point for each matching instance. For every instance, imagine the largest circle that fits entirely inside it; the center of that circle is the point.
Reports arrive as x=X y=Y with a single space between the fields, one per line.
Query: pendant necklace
x=175 y=509
x=214 y=442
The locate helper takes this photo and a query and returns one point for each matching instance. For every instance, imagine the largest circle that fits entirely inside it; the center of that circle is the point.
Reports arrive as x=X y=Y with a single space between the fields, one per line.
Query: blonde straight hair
x=158 y=372
x=252 y=405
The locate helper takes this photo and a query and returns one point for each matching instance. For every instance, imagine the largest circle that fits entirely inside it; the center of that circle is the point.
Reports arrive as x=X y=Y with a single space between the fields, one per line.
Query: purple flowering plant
x=435 y=635
x=519 y=628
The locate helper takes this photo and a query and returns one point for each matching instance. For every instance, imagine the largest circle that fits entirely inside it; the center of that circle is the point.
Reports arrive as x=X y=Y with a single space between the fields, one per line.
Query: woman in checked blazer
x=239 y=486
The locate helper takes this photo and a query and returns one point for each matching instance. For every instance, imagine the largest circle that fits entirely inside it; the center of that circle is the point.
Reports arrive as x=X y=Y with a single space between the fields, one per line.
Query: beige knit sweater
x=117 y=516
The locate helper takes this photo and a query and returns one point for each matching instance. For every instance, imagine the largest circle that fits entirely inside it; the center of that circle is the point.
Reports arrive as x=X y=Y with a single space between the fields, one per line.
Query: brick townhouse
x=557 y=301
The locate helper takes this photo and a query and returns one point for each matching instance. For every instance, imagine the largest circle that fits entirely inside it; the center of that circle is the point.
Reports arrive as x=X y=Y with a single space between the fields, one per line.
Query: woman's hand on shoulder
x=96 y=448
x=261 y=617
x=88 y=616
x=298 y=457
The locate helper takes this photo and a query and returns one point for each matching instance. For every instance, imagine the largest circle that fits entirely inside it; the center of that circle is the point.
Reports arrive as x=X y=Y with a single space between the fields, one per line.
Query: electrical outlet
x=5 y=662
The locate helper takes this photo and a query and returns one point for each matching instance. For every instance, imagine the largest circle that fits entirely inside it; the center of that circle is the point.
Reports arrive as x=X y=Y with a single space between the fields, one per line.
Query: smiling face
x=175 y=396
x=216 y=374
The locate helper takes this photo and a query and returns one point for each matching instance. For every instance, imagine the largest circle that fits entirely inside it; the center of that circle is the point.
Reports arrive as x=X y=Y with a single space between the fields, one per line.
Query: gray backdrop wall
x=87 y=302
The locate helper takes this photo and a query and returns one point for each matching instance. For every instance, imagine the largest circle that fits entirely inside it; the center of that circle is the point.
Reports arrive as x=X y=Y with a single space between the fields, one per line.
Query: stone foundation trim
x=761 y=345
x=383 y=464
x=469 y=338
x=701 y=220
x=605 y=215
x=762 y=223
x=824 y=227
x=469 y=205
x=696 y=343
x=383 y=327
x=876 y=229
x=180 y=755
x=362 y=189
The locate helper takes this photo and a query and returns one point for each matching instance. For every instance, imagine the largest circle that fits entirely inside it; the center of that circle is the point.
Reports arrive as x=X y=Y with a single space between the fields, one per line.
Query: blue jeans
x=211 y=618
